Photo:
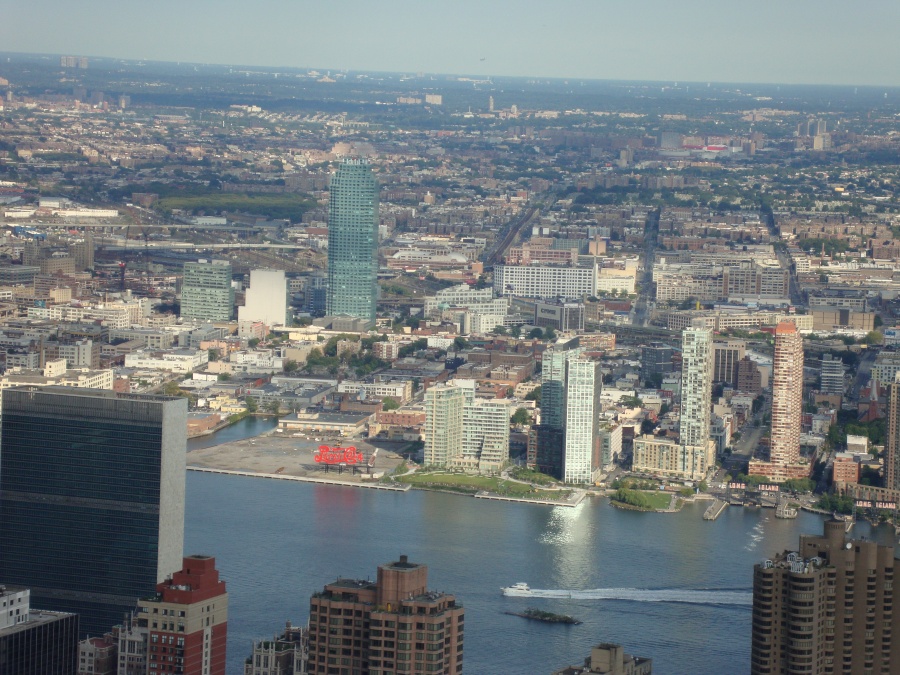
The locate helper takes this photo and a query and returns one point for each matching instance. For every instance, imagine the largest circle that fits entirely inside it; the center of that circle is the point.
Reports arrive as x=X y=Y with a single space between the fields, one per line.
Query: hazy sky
x=783 y=41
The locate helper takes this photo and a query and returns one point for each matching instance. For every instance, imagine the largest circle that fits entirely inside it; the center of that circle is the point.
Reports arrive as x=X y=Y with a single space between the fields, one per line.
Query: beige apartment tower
x=392 y=625
x=826 y=609
x=787 y=408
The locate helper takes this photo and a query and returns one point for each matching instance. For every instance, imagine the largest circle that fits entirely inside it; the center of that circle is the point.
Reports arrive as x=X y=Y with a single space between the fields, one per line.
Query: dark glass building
x=353 y=241
x=34 y=641
x=91 y=498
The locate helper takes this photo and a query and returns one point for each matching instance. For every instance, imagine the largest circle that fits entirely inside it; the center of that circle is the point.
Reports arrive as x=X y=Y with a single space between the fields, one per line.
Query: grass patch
x=649 y=501
x=531 y=476
x=470 y=484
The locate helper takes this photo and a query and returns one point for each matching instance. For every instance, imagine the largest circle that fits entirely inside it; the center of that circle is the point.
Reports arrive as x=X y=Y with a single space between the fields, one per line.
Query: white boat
x=518 y=590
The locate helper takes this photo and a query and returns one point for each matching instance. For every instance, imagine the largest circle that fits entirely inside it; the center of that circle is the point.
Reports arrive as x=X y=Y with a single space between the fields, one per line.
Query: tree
x=873 y=337
x=388 y=403
x=460 y=343
x=521 y=417
x=251 y=405
x=536 y=334
x=534 y=395
x=499 y=330
x=273 y=407
x=549 y=334
x=515 y=331
x=213 y=354
x=631 y=402
x=290 y=366
x=224 y=377
x=252 y=342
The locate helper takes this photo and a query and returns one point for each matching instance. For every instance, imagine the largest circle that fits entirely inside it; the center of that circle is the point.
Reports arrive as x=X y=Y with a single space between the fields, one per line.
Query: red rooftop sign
x=329 y=455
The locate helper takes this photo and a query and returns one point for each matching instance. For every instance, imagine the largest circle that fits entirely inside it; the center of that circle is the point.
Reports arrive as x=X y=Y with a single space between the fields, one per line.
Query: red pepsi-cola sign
x=329 y=455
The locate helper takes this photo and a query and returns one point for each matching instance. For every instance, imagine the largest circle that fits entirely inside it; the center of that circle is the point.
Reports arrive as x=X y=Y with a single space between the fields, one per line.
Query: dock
x=304 y=479
x=715 y=510
x=574 y=500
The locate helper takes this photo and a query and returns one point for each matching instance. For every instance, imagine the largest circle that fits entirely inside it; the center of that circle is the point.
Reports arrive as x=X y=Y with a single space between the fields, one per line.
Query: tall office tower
x=353 y=241
x=266 y=299
x=581 y=458
x=696 y=386
x=827 y=608
x=787 y=394
x=91 y=497
x=34 y=641
x=726 y=356
x=207 y=293
x=547 y=439
x=392 y=625
x=831 y=372
x=443 y=430
x=554 y=362
x=187 y=620
x=892 y=442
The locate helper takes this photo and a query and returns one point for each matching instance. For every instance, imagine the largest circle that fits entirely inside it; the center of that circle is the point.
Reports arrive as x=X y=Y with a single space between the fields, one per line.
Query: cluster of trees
x=835 y=503
x=632 y=498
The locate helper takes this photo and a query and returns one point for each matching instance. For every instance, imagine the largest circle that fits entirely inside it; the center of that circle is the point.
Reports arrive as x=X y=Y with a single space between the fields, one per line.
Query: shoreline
x=300 y=479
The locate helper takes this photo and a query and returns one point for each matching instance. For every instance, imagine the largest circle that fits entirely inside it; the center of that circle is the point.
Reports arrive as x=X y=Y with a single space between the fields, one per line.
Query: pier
x=303 y=479
x=574 y=500
x=715 y=510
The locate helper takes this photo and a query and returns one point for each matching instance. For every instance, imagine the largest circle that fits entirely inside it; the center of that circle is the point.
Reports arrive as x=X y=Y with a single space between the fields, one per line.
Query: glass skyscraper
x=91 y=498
x=353 y=241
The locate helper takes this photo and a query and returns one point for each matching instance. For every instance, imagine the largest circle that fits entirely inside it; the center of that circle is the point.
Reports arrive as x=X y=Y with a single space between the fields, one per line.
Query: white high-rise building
x=443 y=430
x=696 y=385
x=581 y=457
x=464 y=432
x=266 y=299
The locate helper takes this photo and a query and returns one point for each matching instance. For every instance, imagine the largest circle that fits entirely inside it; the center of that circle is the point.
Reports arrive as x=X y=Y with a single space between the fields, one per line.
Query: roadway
x=651 y=241
x=512 y=232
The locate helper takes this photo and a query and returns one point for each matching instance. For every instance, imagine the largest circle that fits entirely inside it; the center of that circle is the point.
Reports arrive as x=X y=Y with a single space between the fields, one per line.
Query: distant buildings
x=787 y=409
x=34 y=641
x=831 y=372
x=266 y=299
x=285 y=654
x=207 y=293
x=91 y=498
x=386 y=625
x=826 y=608
x=353 y=241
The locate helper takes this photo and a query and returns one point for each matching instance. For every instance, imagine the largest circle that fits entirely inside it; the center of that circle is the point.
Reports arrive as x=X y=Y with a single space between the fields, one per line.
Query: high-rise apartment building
x=787 y=408
x=892 y=441
x=353 y=241
x=749 y=379
x=207 y=293
x=465 y=432
x=392 y=625
x=91 y=497
x=187 y=621
x=34 y=641
x=554 y=369
x=696 y=386
x=443 y=430
x=266 y=299
x=581 y=457
x=827 y=608
x=831 y=374
x=656 y=361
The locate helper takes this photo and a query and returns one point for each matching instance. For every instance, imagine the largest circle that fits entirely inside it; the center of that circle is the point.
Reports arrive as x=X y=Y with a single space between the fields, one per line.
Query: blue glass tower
x=91 y=498
x=353 y=241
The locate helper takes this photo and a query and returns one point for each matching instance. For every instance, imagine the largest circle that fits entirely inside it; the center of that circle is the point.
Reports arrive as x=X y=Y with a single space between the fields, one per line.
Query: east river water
x=669 y=586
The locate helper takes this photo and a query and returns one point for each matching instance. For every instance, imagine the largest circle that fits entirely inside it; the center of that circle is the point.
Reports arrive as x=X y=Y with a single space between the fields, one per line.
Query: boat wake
x=694 y=597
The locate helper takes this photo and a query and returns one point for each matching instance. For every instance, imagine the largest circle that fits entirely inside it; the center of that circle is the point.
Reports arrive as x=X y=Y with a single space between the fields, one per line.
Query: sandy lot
x=293 y=456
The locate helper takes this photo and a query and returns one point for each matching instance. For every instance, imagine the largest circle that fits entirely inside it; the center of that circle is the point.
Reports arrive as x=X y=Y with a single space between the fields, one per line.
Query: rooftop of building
x=35 y=617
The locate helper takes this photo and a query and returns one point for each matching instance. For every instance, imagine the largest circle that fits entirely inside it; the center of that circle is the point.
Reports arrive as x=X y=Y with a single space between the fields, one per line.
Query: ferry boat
x=520 y=589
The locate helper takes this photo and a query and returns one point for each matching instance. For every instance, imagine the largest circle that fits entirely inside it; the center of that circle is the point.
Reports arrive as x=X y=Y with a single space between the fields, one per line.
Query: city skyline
x=807 y=42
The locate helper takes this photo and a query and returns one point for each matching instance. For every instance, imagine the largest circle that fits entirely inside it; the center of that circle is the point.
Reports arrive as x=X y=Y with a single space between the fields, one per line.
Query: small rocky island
x=548 y=617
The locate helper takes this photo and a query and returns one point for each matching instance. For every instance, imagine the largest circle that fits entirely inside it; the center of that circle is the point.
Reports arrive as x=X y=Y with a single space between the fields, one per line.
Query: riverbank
x=375 y=485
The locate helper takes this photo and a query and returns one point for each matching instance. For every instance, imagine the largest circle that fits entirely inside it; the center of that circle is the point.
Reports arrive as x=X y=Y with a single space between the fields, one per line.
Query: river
x=248 y=427
x=277 y=542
